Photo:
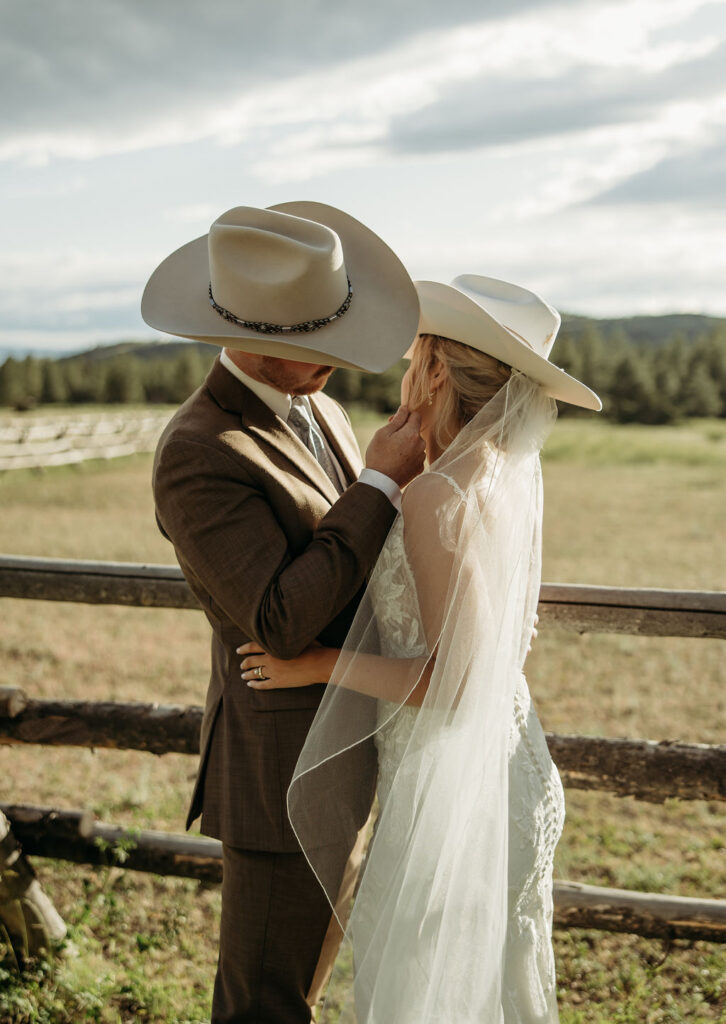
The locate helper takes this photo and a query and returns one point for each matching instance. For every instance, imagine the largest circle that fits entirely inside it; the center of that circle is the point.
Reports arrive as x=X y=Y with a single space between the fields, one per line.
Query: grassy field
x=624 y=506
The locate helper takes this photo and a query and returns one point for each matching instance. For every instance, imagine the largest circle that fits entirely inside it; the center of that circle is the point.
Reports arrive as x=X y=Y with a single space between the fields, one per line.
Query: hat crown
x=273 y=267
x=520 y=311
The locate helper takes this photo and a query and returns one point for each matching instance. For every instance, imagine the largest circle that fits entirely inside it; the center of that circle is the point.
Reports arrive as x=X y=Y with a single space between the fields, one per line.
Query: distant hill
x=646 y=330
x=141 y=350
x=101 y=353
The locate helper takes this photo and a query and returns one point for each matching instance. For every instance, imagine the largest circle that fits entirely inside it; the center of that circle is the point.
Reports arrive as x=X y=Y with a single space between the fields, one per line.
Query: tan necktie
x=302 y=421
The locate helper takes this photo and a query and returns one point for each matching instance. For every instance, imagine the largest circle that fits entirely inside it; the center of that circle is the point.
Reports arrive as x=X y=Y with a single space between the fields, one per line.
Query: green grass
x=144 y=948
x=595 y=442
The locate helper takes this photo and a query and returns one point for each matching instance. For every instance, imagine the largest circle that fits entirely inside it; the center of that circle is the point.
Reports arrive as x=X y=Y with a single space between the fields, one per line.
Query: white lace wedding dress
x=452 y=920
x=394 y=976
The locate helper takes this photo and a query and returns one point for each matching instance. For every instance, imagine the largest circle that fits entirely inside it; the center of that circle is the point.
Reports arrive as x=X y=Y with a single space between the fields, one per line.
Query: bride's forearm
x=398 y=680
x=324 y=662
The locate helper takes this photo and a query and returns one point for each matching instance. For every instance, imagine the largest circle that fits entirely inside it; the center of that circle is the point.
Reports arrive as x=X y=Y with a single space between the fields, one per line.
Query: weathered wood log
x=76 y=837
x=69 y=835
x=644 y=769
x=648 y=914
x=81 y=582
x=156 y=728
x=572 y=607
x=584 y=609
x=30 y=920
x=12 y=701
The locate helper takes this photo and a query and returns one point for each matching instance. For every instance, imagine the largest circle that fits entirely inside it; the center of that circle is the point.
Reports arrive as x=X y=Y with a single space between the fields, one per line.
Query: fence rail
x=643 y=769
x=574 y=607
x=75 y=836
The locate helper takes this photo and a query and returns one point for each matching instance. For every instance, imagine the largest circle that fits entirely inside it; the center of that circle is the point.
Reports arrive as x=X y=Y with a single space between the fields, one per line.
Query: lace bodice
x=536 y=806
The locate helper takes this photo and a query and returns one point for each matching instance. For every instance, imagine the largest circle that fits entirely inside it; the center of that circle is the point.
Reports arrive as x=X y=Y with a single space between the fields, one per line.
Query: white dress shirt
x=280 y=404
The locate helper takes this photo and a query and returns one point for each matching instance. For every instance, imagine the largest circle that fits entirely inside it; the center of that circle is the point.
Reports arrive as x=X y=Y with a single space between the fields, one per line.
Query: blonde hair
x=473 y=379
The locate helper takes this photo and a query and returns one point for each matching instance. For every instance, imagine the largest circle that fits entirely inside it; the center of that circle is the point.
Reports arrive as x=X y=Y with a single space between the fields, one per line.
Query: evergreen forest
x=646 y=369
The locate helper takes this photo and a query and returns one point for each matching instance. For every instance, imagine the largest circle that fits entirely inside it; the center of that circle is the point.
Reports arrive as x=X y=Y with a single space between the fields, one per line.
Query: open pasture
x=630 y=506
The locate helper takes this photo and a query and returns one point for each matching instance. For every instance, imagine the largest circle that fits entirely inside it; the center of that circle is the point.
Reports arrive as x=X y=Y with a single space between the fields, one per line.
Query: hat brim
x=446 y=311
x=372 y=335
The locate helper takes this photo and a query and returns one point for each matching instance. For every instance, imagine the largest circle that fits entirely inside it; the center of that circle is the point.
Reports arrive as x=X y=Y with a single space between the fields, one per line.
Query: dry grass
x=638 y=508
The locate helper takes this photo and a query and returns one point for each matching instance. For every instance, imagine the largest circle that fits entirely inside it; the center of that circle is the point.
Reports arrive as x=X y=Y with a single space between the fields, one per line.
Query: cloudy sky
x=575 y=147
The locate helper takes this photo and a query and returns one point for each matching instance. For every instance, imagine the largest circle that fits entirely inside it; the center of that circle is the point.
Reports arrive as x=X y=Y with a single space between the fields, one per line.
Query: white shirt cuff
x=383 y=483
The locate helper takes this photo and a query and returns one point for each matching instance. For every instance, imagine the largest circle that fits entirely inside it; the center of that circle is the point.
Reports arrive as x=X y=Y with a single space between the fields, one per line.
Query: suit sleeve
x=224 y=528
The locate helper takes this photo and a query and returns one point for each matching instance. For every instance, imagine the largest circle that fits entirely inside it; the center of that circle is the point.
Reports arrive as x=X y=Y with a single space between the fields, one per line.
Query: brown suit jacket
x=274 y=555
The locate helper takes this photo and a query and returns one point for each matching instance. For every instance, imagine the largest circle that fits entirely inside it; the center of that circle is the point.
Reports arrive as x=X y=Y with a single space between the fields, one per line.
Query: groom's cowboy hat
x=299 y=281
x=503 y=320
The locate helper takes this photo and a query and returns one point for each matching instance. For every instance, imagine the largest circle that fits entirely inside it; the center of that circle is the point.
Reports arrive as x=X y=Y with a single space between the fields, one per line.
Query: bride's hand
x=261 y=671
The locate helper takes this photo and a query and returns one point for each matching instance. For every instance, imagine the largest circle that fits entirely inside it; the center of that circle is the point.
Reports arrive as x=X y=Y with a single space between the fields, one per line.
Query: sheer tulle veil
x=455 y=589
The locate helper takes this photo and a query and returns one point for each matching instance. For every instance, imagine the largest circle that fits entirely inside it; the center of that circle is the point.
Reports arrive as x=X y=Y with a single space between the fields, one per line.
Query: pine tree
x=382 y=391
x=595 y=363
x=700 y=393
x=631 y=390
x=123 y=381
x=344 y=386
x=55 y=387
x=189 y=371
x=11 y=383
x=568 y=355
x=666 y=388
x=33 y=380
x=712 y=350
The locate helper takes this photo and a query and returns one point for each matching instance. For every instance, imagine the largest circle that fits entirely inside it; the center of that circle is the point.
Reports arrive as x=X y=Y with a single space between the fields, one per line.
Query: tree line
x=126 y=379
x=638 y=383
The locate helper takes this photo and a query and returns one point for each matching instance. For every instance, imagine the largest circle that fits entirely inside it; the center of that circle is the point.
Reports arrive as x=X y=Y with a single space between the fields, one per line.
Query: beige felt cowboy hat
x=300 y=281
x=505 y=321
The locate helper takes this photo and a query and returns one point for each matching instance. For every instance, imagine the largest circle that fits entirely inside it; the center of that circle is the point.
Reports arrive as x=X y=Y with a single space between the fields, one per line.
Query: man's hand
x=398 y=450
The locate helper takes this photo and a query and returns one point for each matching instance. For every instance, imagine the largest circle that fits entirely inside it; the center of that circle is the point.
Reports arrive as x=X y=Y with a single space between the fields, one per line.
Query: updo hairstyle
x=473 y=379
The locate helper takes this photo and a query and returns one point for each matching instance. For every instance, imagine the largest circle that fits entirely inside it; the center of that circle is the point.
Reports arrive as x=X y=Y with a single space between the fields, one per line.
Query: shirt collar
x=277 y=401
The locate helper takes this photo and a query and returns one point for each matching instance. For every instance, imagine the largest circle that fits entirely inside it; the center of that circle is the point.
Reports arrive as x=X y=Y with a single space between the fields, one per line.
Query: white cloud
x=194 y=213
x=471 y=135
x=402 y=75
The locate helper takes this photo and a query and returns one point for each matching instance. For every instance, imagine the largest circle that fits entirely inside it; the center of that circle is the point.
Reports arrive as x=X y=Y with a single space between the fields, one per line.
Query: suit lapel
x=267 y=428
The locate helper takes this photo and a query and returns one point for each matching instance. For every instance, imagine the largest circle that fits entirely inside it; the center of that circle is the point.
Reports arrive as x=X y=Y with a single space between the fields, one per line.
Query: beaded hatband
x=264 y=328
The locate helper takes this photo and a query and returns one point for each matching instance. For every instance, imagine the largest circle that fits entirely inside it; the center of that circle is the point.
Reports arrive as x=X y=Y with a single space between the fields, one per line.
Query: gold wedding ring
x=258 y=672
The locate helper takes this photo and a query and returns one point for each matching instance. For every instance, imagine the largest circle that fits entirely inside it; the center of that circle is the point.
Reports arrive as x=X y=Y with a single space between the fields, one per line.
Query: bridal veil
x=427 y=682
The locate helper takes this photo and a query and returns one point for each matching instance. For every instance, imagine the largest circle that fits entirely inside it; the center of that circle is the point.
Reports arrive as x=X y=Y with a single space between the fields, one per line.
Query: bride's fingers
x=255 y=681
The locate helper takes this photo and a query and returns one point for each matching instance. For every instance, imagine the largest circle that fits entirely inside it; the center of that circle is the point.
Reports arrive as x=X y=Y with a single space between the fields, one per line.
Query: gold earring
x=431 y=398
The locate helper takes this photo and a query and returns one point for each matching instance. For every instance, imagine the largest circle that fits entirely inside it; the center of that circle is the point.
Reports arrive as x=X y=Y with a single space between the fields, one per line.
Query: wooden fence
x=61 y=440
x=643 y=769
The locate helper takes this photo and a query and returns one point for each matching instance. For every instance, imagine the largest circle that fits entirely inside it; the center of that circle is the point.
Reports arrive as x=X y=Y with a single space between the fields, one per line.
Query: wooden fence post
x=27 y=915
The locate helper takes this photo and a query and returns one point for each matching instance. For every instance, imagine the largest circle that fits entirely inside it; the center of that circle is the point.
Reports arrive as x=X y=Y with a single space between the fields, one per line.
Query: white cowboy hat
x=505 y=321
x=300 y=281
